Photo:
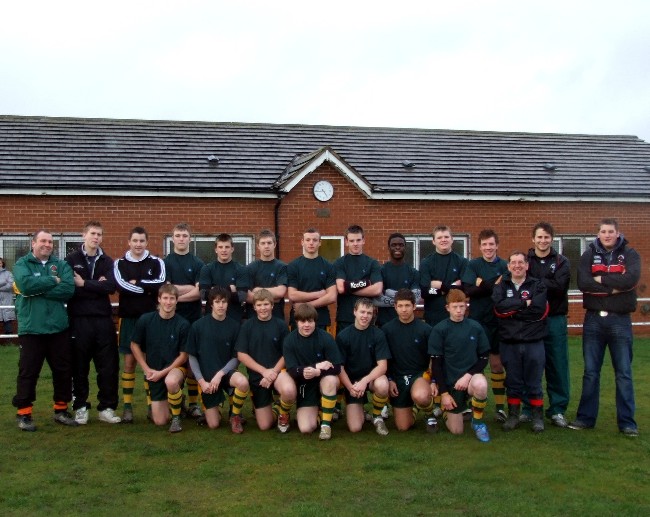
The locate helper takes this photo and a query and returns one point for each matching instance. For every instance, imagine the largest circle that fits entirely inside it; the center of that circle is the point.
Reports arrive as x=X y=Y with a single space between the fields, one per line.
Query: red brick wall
x=118 y=215
x=299 y=210
x=513 y=221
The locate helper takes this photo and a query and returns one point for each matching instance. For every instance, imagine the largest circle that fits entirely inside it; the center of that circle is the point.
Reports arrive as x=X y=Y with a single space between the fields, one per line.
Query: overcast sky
x=568 y=67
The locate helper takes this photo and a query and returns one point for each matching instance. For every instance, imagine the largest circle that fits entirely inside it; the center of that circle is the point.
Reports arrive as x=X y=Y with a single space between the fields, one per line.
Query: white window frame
x=60 y=240
x=558 y=244
x=247 y=240
x=417 y=239
x=68 y=238
x=339 y=238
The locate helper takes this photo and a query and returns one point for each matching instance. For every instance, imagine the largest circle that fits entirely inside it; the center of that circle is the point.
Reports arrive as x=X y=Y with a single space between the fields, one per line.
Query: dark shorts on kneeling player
x=158 y=389
x=309 y=394
x=349 y=399
x=211 y=400
x=404 y=385
x=263 y=397
x=460 y=398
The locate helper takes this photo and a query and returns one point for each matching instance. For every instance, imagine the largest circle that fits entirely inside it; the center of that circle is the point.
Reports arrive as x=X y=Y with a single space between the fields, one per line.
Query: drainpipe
x=276 y=221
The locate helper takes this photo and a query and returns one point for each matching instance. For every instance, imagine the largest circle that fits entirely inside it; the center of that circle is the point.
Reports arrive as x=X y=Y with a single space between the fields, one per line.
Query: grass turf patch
x=103 y=469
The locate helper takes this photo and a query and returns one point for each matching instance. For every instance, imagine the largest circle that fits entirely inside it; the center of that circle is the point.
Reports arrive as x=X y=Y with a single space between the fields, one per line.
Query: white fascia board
x=500 y=197
x=387 y=196
x=137 y=193
x=342 y=167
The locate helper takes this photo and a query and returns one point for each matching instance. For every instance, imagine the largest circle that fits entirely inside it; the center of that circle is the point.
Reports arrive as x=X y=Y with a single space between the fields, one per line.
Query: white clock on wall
x=323 y=190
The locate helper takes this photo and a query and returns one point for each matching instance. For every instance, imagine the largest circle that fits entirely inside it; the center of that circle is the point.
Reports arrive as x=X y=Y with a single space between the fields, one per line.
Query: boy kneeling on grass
x=314 y=361
x=365 y=358
x=211 y=349
x=259 y=347
x=158 y=345
x=408 y=369
x=459 y=351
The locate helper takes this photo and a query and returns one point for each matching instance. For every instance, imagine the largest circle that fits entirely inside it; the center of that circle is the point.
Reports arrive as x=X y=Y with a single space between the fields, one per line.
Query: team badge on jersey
x=525 y=295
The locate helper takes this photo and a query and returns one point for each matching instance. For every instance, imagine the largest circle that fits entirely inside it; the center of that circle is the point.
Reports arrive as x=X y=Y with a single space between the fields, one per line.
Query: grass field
x=101 y=469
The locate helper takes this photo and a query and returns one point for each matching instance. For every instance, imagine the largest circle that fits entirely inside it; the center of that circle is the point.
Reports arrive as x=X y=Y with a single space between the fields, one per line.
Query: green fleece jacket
x=40 y=306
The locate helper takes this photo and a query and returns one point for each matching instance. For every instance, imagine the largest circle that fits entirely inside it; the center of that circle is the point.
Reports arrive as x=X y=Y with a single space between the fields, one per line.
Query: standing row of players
x=496 y=288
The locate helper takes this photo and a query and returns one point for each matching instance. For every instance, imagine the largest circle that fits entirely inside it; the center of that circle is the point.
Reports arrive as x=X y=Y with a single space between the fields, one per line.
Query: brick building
x=240 y=178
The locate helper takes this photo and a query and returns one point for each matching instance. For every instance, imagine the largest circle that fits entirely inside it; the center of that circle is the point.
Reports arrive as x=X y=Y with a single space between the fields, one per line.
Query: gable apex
x=305 y=164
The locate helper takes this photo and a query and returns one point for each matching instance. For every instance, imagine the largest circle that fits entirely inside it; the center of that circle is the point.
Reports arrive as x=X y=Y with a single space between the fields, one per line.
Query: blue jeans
x=615 y=331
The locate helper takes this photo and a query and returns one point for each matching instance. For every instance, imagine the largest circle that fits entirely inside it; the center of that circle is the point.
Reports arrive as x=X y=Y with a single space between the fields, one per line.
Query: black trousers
x=93 y=338
x=34 y=350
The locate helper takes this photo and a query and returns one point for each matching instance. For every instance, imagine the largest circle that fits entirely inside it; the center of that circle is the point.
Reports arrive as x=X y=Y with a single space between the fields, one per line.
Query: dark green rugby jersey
x=267 y=273
x=353 y=268
x=445 y=268
x=262 y=340
x=361 y=349
x=310 y=275
x=408 y=343
x=212 y=342
x=460 y=344
x=481 y=308
x=395 y=277
x=224 y=275
x=185 y=270
x=302 y=351
x=160 y=339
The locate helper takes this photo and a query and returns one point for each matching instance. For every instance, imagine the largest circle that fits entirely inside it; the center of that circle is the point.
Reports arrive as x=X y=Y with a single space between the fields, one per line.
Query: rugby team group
x=508 y=314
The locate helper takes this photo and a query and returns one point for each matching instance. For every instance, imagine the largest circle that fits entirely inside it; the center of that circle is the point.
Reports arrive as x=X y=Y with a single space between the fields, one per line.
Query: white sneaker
x=380 y=426
x=108 y=415
x=81 y=416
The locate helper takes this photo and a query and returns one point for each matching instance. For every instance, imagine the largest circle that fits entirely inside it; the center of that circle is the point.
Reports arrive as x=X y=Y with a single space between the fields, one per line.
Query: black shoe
x=65 y=418
x=579 y=425
x=25 y=423
x=431 y=424
x=512 y=422
x=630 y=431
x=538 y=419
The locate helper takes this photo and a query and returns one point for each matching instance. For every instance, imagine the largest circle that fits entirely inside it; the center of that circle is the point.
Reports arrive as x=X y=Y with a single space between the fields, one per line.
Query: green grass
x=110 y=470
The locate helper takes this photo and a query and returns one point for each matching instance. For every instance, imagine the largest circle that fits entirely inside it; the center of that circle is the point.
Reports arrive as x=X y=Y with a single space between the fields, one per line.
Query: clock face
x=323 y=190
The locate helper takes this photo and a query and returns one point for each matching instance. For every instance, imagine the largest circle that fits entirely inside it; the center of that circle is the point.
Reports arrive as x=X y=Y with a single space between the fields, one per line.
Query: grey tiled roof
x=164 y=156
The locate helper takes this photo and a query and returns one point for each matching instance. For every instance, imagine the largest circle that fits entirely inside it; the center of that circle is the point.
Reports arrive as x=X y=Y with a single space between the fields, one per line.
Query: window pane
x=409 y=253
x=459 y=247
x=205 y=250
x=71 y=246
x=426 y=249
x=330 y=248
x=572 y=250
x=241 y=252
x=13 y=249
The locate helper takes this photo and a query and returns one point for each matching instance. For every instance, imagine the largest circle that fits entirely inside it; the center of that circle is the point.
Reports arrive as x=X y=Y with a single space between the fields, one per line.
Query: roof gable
x=302 y=165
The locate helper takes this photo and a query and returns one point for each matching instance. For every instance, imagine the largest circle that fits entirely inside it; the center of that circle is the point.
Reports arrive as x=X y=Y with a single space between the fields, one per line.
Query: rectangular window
x=572 y=247
x=203 y=247
x=331 y=248
x=70 y=244
x=419 y=247
x=12 y=247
